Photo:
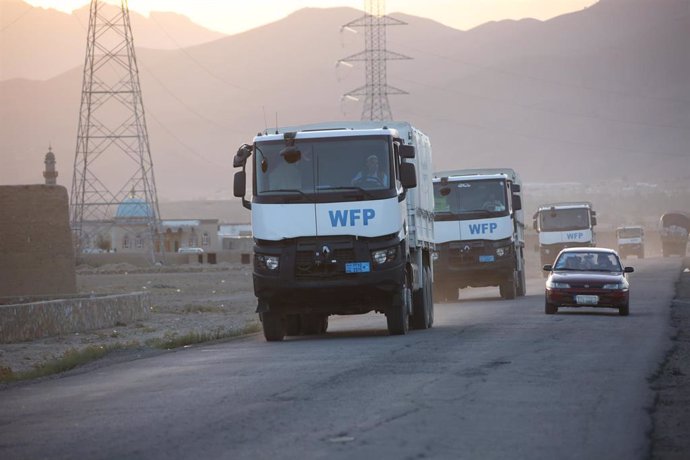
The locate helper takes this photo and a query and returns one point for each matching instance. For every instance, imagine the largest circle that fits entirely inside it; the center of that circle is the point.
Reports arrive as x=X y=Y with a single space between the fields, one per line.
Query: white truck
x=479 y=232
x=342 y=220
x=630 y=241
x=563 y=225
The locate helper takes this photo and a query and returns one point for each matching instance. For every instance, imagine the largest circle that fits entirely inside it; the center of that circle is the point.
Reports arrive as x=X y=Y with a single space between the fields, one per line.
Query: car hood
x=582 y=277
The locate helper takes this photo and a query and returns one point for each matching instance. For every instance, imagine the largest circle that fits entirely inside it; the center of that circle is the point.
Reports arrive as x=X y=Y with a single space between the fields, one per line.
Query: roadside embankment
x=671 y=412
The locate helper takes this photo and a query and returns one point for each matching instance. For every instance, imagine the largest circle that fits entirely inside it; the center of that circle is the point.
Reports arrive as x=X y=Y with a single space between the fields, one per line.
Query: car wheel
x=550 y=309
x=624 y=310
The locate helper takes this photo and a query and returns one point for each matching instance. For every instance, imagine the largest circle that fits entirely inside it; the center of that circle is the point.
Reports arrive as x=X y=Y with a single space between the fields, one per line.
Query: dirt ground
x=209 y=300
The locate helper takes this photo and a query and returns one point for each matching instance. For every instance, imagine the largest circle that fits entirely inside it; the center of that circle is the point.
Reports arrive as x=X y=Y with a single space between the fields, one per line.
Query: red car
x=587 y=277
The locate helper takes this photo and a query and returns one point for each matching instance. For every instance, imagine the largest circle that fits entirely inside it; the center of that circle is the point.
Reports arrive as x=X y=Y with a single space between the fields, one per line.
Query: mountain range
x=600 y=94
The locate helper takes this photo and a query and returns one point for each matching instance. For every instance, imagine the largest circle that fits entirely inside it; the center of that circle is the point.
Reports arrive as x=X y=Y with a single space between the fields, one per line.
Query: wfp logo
x=574 y=235
x=476 y=229
x=350 y=217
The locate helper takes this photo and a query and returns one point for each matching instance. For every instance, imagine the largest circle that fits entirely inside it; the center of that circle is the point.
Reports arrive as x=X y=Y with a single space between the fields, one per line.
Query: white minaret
x=50 y=173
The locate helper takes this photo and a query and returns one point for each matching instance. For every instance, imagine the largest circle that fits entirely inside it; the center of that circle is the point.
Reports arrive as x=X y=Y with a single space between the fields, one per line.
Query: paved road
x=492 y=379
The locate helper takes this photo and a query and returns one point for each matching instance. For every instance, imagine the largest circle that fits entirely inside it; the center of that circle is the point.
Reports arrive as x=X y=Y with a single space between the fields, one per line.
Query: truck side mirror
x=534 y=225
x=515 y=188
x=517 y=202
x=244 y=152
x=408 y=174
x=240 y=184
x=594 y=220
x=407 y=151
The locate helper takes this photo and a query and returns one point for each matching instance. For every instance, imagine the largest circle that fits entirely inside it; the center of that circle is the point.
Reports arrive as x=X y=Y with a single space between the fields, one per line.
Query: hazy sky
x=232 y=16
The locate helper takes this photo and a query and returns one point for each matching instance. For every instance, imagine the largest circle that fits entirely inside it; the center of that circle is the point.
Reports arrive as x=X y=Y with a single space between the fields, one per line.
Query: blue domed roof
x=133 y=208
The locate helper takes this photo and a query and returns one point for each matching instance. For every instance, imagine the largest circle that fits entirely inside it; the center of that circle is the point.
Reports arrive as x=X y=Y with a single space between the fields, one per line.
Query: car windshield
x=553 y=220
x=323 y=165
x=465 y=200
x=588 y=261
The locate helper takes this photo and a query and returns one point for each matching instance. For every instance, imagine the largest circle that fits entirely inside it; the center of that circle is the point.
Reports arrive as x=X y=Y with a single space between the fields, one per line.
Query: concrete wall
x=36 y=253
x=30 y=321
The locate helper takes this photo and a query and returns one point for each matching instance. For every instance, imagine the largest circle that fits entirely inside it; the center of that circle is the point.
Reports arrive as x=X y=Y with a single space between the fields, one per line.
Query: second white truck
x=479 y=232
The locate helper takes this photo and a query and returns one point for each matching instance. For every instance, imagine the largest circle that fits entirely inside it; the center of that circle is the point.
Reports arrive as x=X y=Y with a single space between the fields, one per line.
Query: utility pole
x=112 y=163
x=375 y=57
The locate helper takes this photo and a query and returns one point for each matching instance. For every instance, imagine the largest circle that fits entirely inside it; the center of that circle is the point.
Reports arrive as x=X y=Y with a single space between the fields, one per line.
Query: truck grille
x=310 y=265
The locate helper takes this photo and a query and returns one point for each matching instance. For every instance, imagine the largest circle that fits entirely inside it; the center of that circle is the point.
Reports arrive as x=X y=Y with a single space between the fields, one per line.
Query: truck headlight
x=381 y=256
x=500 y=252
x=270 y=263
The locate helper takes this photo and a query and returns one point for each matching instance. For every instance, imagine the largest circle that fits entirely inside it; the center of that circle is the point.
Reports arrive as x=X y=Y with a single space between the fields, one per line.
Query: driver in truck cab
x=371 y=175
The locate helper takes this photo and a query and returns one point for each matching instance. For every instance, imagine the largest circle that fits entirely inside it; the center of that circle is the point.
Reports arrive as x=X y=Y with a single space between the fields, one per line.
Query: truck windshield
x=629 y=232
x=345 y=165
x=553 y=220
x=465 y=200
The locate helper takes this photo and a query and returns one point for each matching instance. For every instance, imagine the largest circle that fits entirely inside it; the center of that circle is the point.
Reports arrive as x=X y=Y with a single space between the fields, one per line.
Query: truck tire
x=508 y=289
x=274 y=326
x=293 y=325
x=522 y=283
x=314 y=324
x=396 y=315
x=421 y=307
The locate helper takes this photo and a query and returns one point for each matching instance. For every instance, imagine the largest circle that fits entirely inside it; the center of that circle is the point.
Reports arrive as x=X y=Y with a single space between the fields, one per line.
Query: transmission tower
x=375 y=56
x=112 y=164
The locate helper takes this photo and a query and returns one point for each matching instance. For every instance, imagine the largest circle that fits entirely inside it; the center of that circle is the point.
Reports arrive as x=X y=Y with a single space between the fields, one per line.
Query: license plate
x=486 y=258
x=587 y=299
x=357 y=267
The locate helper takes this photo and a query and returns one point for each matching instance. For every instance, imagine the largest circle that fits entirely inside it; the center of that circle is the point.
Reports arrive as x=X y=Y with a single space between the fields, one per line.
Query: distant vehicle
x=630 y=241
x=587 y=277
x=674 y=228
x=564 y=225
x=190 y=251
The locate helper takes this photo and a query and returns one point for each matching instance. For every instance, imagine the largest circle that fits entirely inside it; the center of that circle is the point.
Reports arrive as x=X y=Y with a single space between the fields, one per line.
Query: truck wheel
x=314 y=324
x=293 y=325
x=430 y=302
x=396 y=315
x=274 y=326
x=508 y=289
x=522 y=285
x=421 y=304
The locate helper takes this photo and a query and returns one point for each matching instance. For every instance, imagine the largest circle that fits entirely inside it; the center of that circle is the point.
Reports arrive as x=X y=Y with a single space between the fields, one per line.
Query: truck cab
x=479 y=232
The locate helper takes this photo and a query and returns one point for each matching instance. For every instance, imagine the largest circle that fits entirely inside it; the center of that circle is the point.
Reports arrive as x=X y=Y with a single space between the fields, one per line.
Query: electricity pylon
x=375 y=57
x=113 y=162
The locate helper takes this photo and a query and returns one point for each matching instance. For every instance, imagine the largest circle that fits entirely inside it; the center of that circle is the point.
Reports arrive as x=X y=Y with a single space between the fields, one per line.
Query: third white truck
x=564 y=225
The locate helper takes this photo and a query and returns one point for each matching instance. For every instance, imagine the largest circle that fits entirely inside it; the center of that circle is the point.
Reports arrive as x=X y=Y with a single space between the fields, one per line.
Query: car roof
x=589 y=249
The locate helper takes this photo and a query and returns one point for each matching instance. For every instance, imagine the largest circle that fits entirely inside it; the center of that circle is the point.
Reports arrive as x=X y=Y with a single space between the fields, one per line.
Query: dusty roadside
x=190 y=303
x=670 y=437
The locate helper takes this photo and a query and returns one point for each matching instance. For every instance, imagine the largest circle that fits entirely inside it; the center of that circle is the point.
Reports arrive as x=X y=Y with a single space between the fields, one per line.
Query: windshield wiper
x=353 y=188
x=287 y=190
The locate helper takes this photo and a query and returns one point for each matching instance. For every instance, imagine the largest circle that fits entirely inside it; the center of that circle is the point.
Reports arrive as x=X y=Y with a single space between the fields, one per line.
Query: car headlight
x=616 y=286
x=270 y=263
x=555 y=285
x=381 y=256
